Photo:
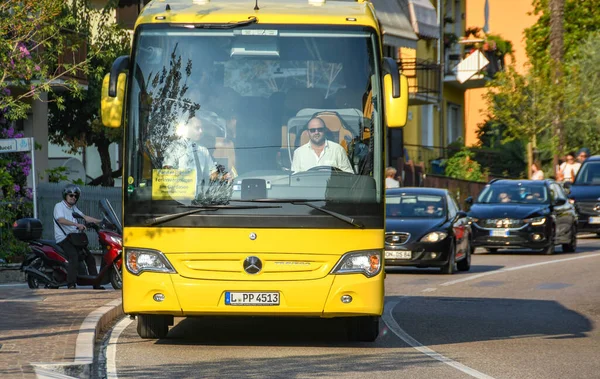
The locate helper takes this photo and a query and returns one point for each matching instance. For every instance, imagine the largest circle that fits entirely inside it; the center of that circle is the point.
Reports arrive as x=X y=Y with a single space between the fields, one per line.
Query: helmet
x=71 y=189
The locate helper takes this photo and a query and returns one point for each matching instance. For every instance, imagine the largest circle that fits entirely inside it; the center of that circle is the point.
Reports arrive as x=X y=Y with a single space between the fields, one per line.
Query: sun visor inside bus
x=257 y=46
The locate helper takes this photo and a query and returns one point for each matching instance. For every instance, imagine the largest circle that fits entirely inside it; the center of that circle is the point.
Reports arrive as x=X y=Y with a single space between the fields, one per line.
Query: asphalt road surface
x=514 y=315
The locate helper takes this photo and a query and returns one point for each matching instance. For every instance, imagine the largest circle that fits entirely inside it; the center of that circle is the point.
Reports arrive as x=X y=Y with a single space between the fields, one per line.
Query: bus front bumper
x=172 y=294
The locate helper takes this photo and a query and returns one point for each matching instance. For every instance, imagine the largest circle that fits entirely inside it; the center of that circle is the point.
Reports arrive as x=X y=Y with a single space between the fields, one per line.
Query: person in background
x=390 y=178
x=583 y=154
x=569 y=168
x=63 y=215
x=536 y=171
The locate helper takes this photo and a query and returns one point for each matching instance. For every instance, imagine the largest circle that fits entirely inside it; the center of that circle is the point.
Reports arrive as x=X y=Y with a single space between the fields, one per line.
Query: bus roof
x=313 y=12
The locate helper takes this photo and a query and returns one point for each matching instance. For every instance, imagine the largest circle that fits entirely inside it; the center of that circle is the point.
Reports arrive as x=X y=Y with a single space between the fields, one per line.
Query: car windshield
x=589 y=174
x=216 y=116
x=507 y=193
x=415 y=206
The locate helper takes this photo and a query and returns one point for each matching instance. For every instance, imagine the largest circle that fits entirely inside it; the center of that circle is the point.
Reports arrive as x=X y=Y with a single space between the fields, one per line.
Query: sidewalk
x=50 y=330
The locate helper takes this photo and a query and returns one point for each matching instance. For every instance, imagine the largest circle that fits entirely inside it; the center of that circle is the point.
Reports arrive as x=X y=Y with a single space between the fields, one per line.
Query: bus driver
x=319 y=151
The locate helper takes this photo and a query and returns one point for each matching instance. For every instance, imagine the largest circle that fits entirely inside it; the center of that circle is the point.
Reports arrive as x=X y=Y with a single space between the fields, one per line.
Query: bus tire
x=152 y=326
x=362 y=329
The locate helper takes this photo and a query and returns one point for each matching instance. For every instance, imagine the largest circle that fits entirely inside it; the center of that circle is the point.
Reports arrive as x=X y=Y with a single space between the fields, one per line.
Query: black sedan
x=425 y=228
x=584 y=193
x=530 y=214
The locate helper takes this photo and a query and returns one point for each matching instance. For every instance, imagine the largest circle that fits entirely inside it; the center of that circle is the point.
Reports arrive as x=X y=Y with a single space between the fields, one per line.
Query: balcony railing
x=423 y=80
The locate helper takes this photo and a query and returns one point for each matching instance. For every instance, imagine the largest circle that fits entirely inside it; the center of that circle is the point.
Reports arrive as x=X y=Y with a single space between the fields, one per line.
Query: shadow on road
x=265 y=331
x=581 y=249
x=433 y=320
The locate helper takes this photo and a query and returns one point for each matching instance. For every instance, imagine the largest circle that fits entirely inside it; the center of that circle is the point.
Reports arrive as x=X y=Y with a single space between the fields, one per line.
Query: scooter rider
x=63 y=214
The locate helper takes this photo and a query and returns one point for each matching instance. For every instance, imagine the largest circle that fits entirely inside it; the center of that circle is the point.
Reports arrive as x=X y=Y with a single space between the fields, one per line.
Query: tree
x=523 y=104
x=75 y=123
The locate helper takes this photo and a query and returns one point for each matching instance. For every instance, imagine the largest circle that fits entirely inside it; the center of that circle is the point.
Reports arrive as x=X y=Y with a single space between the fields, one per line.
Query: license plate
x=251 y=298
x=594 y=220
x=499 y=233
x=403 y=254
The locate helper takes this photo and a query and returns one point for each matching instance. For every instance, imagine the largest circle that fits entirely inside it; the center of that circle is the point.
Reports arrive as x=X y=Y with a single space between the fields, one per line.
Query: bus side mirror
x=113 y=93
x=112 y=107
x=395 y=94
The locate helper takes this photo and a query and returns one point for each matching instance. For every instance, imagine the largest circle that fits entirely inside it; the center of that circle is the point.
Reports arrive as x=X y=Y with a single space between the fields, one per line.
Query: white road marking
x=477 y=276
x=388 y=318
x=429 y=290
x=111 y=349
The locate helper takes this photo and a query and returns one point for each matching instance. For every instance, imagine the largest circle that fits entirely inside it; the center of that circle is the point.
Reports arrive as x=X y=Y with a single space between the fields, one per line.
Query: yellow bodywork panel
x=112 y=107
x=396 y=109
x=296 y=264
x=270 y=12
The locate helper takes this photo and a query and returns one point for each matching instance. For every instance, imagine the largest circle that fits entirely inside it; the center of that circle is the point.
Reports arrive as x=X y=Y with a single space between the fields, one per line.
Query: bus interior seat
x=336 y=130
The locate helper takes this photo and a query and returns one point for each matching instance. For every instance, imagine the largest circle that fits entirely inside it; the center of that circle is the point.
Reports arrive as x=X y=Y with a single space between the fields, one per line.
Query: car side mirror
x=469 y=200
x=559 y=202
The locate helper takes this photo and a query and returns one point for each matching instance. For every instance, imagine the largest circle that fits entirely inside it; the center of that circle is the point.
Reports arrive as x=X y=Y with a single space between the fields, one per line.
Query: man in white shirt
x=319 y=151
x=64 y=224
x=187 y=154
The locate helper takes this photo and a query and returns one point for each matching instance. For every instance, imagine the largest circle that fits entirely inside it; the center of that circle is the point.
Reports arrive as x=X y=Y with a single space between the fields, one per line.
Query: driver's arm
x=342 y=161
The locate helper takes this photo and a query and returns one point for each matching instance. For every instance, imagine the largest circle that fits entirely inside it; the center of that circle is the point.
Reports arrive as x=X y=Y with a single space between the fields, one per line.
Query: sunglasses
x=316 y=130
x=72 y=195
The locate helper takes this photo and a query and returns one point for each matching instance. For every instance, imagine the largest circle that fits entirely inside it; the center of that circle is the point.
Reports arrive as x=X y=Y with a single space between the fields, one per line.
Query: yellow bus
x=254 y=144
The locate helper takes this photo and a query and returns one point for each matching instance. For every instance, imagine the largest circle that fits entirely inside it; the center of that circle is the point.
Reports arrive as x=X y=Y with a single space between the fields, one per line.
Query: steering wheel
x=324 y=168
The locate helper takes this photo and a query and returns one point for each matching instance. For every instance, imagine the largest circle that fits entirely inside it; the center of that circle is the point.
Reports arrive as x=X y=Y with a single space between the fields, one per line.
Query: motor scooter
x=46 y=265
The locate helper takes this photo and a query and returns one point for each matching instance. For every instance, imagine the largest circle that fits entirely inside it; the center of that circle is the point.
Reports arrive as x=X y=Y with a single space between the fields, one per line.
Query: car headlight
x=366 y=262
x=535 y=221
x=434 y=237
x=140 y=260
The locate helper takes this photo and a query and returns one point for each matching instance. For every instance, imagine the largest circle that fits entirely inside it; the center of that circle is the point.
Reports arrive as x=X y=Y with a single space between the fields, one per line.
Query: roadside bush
x=11 y=249
x=462 y=166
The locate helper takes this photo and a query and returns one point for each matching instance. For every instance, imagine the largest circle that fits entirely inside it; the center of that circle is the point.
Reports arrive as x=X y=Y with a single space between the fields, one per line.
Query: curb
x=81 y=367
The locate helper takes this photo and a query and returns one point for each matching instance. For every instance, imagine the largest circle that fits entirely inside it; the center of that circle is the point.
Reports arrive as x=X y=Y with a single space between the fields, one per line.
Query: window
x=454 y=122
x=427 y=125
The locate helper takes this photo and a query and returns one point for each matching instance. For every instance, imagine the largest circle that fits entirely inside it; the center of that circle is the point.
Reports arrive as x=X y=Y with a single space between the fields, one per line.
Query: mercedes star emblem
x=252 y=265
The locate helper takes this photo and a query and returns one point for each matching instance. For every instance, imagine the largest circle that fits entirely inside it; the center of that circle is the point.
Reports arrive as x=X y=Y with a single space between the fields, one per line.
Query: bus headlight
x=140 y=260
x=366 y=262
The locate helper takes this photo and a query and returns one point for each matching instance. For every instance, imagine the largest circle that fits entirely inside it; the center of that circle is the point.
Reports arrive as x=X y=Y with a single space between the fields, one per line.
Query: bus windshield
x=219 y=117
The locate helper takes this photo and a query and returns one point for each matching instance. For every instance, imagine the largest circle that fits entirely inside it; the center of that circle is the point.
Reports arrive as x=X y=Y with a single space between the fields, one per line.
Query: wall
x=509 y=19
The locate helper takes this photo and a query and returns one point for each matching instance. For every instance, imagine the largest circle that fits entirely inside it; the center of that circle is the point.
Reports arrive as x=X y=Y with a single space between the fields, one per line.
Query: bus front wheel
x=152 y=326
x=362 y=329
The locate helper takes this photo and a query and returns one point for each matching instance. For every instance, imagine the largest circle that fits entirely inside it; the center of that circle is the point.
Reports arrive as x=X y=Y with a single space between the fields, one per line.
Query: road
x=514 y=315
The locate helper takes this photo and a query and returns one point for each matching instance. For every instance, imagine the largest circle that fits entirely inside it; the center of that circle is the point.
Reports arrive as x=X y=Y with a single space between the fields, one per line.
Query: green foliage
x=11 y=209
x=504 y=46
x=462 y=166
x=75 y=122
x=57 y=174
x=32 y=38
x=581 y=18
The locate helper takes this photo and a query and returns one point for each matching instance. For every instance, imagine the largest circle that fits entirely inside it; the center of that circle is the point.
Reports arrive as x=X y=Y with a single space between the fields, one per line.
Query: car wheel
x=572 y=245
x=448 y=268
x=465 y=263
x=362 y=329
x=152 y=326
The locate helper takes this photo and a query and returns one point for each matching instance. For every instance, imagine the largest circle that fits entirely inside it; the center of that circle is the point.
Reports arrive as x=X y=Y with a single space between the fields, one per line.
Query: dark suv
x=530 y=214
x=584 y=193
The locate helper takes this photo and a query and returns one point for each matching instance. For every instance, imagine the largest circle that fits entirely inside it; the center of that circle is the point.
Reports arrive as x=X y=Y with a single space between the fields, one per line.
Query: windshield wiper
x=152 y=221
x=229 y=25
x=339 y=216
